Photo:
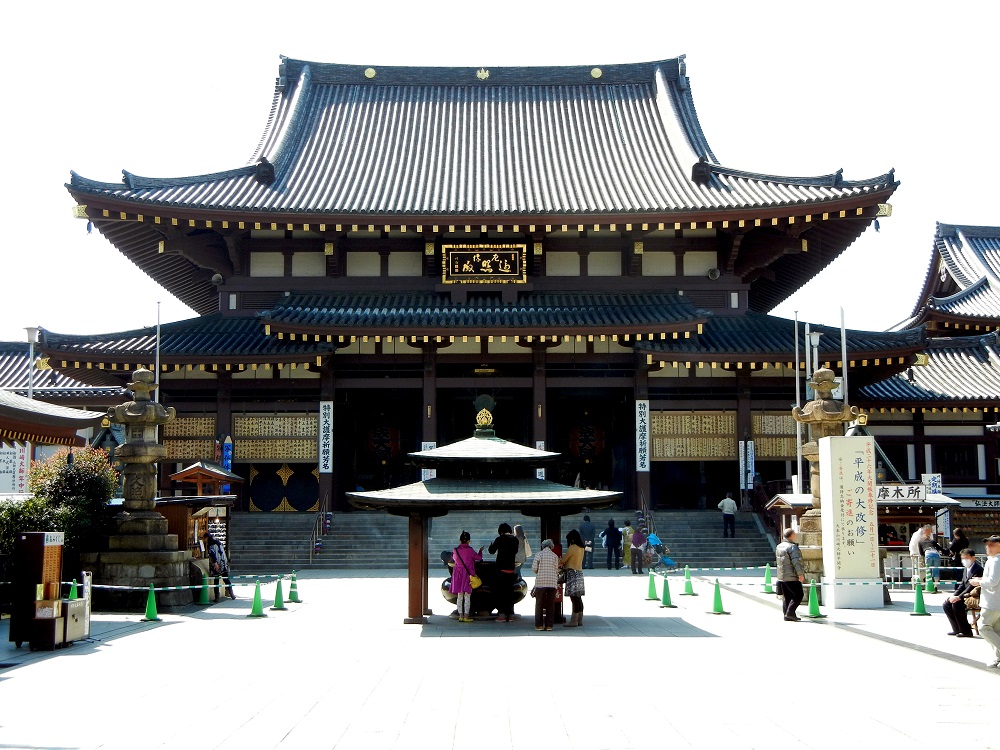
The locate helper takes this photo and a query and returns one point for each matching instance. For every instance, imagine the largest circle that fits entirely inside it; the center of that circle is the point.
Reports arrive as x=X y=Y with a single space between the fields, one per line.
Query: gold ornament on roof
x=482 y=74
x=484 y=418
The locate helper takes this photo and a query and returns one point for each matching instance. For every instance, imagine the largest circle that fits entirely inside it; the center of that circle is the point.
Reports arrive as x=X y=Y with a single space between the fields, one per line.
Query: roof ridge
x=828 y=180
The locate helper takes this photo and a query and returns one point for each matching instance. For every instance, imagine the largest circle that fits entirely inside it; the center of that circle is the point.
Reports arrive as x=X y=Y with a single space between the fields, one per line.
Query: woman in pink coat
x=465 y=565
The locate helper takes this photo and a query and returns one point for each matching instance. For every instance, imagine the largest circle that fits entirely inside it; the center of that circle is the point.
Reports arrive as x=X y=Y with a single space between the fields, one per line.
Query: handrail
x=318 y=522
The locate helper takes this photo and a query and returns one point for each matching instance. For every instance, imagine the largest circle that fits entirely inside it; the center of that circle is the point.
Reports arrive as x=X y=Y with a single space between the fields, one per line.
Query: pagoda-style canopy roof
x=963 y=372
x=26 y=420
x=532 y=314
x=392 y=149
x=530 y=496
x=482 y=448
x=47 y=384
x=962 y=289
x=206 y=474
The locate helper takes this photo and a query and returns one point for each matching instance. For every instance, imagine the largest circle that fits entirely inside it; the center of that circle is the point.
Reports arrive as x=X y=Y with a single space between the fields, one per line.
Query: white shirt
x=989 y=598
x=728 y=505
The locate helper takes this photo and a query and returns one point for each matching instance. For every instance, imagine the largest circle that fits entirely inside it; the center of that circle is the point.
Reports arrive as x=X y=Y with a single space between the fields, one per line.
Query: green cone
x=813 y=602
x=258 y=609
x=72 y=591
x=651 y=593
x=918 y=604
x=293 y=591
x=767 y=580
x=688 y=587
x=929 y=587
x=665 y=601
x=279 y=602
x=717 y=604
x=151 y=606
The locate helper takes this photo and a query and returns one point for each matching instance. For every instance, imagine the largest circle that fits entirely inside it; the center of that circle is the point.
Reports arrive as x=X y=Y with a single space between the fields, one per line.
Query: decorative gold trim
x=80 y=212
x=596 y=73
x=370 y=73
x=482 y=74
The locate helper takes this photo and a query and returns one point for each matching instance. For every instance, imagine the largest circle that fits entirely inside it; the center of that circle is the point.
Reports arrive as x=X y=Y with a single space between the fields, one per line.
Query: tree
x=68 y=496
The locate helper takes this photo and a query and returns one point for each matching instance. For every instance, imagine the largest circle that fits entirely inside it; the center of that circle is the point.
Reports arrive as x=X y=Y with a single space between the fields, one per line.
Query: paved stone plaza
x=341 y=670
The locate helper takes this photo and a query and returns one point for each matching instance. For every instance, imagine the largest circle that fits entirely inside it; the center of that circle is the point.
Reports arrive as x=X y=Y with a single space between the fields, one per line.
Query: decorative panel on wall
x=274 y=438
x=774 y=435
x=190 y=438
x=692 y=435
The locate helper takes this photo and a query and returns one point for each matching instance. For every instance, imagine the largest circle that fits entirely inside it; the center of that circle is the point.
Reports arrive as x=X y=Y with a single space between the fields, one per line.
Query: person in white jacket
x=989 y=598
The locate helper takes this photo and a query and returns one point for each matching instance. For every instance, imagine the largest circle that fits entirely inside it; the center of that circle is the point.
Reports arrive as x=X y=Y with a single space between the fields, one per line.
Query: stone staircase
x=371 y=540
x=695 y=539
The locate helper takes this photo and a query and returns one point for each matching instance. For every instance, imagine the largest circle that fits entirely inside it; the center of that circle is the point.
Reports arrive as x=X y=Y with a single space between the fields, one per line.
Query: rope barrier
x=195 y=586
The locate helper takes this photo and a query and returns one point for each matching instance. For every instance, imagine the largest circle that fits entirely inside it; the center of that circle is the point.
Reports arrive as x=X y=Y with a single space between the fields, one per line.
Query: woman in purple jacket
x=465 y=565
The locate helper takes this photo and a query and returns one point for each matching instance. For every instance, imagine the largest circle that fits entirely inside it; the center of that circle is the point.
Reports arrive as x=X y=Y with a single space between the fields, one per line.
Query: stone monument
x=825 y=417
x=142 y=552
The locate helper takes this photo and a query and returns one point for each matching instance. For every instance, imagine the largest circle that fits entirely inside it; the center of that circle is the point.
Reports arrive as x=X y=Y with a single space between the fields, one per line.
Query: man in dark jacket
x=613 y=541
x=587 y=533
x=791 y=574
x=954 y=605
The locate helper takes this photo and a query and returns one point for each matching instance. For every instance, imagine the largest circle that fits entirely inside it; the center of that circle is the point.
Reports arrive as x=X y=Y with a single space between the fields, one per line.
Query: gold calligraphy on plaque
x=484 y=264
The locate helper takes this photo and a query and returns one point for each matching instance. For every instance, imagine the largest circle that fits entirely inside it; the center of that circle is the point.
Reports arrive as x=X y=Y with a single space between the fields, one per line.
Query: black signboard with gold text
x=483 y=264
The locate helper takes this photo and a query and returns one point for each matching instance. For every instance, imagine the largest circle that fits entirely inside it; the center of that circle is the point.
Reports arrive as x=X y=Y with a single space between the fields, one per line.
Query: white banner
x=751 y=465
x=540 y=470
x=426 y=474
x=13 y=469
x=933 y=483
x=326 y=437
x=641 y=436
x=850 y=518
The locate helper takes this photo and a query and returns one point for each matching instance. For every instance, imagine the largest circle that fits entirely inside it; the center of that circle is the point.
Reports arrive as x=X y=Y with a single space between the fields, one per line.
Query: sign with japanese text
x=641 y=435
x=933 y=483
x=484 y=264
x=980 y=502
x=13 y=469
x=426 y=474
x=326 y=437
x=850 y=518
x=540 y=470
x=915 y=492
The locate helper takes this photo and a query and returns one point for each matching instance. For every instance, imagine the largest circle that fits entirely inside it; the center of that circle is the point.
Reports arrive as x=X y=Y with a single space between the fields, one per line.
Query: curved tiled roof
x=755 y=334
x=209 y=336
x=537 y=313
x=46 y=384
x=959 y=369
x=396 y=141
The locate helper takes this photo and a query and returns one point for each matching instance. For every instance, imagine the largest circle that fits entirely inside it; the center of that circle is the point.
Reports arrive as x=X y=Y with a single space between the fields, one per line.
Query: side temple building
x=403 y=239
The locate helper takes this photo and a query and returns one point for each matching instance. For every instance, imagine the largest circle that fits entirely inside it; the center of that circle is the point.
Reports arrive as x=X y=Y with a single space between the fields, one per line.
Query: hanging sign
x=484 y=264
x=227 y=460
x=326 y=437
x=642 y=435
x=13 y=469
x=540 y=470
x=426 y=474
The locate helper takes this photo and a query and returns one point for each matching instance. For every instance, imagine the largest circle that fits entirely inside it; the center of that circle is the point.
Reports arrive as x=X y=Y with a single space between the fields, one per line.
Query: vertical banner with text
x=326 y=437
x=426 y=474
x=13 y=469
x=642 y=436
x=540 y=470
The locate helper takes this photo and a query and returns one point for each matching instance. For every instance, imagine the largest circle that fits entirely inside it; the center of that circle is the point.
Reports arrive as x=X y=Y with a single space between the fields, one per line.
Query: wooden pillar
x=643 y=486
x=541 y=407
x=425 y=569
x=430 y=418
x=417 y=569
x=327 y=392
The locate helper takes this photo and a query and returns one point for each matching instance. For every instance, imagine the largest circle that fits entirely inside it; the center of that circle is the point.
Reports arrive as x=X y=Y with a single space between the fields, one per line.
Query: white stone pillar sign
x=641 y=435
x=850 y=523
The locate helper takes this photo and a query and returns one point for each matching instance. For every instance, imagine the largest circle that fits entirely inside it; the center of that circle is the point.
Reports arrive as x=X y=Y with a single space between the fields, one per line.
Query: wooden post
x=417 y=569
x=540 y=407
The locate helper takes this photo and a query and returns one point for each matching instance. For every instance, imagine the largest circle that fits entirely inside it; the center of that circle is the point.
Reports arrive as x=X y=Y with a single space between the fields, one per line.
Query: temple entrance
x=594 y=433
x=692 y=485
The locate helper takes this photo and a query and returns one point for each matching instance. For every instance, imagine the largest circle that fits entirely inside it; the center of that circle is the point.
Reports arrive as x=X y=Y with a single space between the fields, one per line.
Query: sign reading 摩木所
x=850 y=518
x=642 y=435
x=915 y=492
x=484 y=264
x=325 y=437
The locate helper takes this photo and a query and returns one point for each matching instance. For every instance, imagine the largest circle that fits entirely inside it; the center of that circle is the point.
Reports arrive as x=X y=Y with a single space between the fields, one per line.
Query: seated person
x=954 y=605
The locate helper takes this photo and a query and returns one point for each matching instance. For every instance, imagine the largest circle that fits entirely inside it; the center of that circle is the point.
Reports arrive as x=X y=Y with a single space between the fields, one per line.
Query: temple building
x=404 y=239
x=935 y=417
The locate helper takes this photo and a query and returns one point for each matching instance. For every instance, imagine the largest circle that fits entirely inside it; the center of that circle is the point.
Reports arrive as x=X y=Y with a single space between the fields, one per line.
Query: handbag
x=561 y=578
x=474 y=581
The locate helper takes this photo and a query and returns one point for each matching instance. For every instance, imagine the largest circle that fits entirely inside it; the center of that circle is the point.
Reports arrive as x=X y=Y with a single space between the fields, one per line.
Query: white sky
x=789 y=88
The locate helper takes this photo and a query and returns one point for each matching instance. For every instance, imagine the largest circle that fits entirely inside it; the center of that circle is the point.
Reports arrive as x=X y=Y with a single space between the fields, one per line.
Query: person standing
x=523 y=547
x=954 y=605
x=791 y=574
x=638 y=541
x=918 y=541
x=728 y=507
x=613 y=541
x=572 y=563
x=959 y=543
x=588 y=533
x=627 y=532
x=505 y=548
x=989 y=598
x=546 y=567
x=465 y=566
x=218 y=564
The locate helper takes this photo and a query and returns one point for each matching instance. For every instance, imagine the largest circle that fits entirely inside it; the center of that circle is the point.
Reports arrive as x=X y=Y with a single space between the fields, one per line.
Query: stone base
x=810 y=538
x=143 y=522
x=147 y=542
x=865 y=593
x=140 y=570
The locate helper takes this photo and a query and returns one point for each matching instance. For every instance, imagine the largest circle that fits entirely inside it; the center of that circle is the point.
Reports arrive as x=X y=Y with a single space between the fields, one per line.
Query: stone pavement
x=341 y=670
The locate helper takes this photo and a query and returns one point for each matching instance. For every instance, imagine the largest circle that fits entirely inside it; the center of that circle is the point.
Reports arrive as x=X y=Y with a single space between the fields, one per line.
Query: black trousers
x=728 y=525
x=791 y=594
x=545 y=607
x=636 y=558
x=957 y=616
x=504 y=595
x=618 y=557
